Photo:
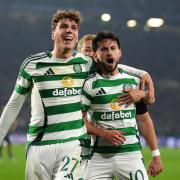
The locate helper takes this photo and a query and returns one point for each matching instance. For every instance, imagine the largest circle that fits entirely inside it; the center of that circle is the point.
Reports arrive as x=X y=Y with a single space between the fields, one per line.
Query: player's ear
x=95 y=56
x=120 y=53
x=52 y=35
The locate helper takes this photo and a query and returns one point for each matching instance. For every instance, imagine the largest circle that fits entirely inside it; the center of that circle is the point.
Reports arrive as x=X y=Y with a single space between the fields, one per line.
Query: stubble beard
x=105 y=69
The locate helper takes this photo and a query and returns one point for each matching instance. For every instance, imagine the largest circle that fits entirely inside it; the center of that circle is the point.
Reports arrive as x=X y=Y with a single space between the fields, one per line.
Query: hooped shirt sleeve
x=132 y=70
x=86 y=96
x=24 y=80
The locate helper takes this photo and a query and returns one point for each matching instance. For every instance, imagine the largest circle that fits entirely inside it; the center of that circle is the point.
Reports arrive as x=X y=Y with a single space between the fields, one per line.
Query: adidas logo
x=100 y=92
x=49 y=71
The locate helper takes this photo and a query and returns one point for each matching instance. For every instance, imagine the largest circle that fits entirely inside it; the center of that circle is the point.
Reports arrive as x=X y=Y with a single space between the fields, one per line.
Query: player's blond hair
x=69 y=13
x=83 y=39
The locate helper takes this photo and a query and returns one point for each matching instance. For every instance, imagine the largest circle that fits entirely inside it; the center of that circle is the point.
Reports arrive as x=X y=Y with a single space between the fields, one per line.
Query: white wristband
x=155 y=153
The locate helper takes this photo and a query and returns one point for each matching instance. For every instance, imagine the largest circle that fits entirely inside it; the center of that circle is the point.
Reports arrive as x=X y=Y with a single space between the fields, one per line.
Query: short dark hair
x=101 y=35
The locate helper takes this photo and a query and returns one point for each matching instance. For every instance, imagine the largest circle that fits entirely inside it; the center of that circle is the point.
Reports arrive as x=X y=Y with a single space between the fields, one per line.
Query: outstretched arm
x=146 y=127
x=132 y=70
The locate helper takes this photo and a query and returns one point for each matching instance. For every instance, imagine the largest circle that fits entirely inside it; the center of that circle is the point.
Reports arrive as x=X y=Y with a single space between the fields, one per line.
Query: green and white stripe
x=108 y=114
x=55 y=86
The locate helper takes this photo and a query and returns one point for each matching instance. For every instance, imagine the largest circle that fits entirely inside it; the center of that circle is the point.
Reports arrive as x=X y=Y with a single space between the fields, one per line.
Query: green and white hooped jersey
x=100 y=95
x=55 y=86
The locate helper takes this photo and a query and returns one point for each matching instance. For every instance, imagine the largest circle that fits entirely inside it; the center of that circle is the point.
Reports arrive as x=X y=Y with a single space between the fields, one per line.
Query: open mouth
x=110 y=61
x=68 y=38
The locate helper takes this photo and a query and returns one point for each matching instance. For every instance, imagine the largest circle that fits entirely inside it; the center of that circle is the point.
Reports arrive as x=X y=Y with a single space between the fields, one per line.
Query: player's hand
x=155 y=166
x=146 y=80
x=115 y=137
x=130 y=96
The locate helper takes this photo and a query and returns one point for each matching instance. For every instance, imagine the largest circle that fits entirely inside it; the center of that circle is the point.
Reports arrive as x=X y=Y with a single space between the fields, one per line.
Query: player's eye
x=63 y=26
x=75 y=28
x=103 y=49
x=113 y=47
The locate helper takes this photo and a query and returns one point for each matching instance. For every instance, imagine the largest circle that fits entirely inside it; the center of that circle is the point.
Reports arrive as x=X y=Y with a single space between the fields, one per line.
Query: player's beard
x=104 y=69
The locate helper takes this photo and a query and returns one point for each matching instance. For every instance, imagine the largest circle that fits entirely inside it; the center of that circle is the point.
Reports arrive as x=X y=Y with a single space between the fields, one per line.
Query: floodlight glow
x=106 y=17
x=155 y=22
x=131 y=23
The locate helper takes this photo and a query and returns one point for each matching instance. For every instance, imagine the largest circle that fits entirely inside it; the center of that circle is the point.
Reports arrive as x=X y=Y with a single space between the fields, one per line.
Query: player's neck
x=112 y=73
x=62 y=53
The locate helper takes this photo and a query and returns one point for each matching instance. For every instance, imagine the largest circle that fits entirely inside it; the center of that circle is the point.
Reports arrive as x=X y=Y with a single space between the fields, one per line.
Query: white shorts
x=54 y=162
x=83 y=167
x=125 y=166
x=85 y=154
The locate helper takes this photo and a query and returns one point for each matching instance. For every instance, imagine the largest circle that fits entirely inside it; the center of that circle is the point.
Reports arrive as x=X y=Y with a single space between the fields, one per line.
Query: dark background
x=25 y=30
